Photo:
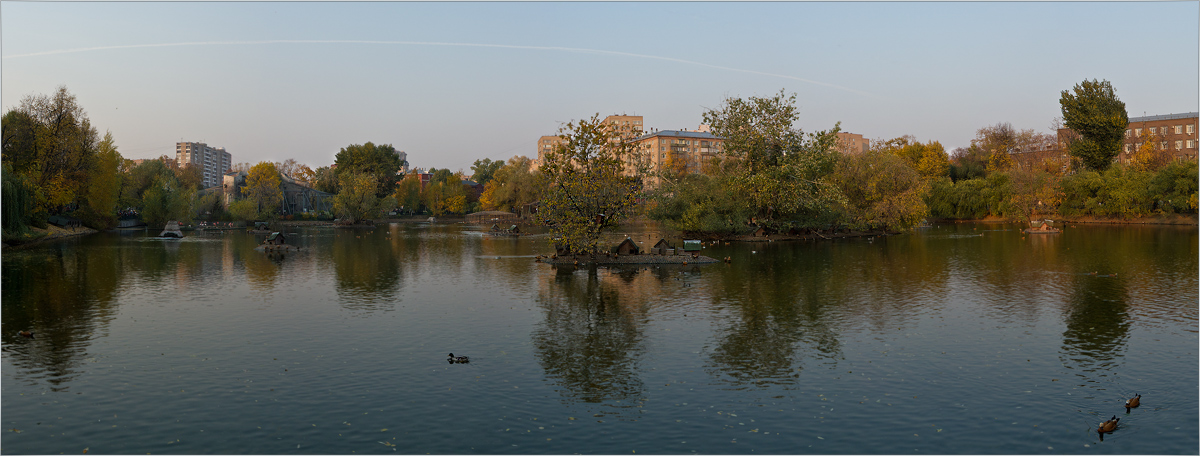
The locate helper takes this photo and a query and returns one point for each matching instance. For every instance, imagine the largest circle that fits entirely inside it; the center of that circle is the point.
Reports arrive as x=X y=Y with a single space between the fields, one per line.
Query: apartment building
x=213 y=162
x=546 y=143
x=684 y=150
x=852 y=143
x=1173 y=132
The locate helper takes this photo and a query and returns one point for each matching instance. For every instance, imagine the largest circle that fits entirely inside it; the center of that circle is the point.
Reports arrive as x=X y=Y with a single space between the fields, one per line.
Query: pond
x=958 y=338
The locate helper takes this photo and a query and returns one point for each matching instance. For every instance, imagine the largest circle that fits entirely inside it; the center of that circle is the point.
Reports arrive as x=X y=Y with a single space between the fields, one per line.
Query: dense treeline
x=771 y=175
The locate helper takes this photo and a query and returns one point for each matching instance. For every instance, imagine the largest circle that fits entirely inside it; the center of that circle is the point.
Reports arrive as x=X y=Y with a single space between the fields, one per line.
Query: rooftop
x=1186 y=115
x=679 y=134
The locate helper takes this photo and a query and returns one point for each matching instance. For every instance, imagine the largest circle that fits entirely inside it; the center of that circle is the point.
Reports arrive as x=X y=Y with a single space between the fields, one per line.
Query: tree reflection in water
x=777 y=311
x=67 y=298
x=367 y=267
x=1097 y=326
x=591 y=339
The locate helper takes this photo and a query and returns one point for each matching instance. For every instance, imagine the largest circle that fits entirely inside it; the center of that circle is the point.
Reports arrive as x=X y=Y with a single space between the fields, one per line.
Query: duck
x=1135 y=401
x=457 y=359
x=28 y=334
x=1108 y=426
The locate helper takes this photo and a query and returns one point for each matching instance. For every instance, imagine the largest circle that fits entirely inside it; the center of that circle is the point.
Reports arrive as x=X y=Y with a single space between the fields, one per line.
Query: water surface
x=960 y=338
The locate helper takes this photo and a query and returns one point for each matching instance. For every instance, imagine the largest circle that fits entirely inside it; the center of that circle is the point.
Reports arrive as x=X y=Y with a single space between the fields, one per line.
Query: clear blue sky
x=451 y=83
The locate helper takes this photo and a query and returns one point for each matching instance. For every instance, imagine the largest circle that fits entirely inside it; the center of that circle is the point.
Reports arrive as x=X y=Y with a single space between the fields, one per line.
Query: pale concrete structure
x=213 y=162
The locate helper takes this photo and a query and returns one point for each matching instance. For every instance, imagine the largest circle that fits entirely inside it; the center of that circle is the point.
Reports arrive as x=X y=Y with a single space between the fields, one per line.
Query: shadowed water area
x=958 y=338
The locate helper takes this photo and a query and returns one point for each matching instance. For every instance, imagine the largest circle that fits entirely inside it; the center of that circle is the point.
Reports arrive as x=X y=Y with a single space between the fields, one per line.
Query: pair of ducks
x=457 y=359
x=1111 y=424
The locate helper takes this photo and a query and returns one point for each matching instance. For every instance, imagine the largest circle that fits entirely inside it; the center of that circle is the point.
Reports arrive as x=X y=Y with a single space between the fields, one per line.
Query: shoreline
x=605 y=259
x=1173 y=220
x=52 y=233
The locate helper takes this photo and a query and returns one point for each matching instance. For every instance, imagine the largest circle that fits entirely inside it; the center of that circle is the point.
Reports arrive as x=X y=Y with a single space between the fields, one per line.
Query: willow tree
x=594 y=181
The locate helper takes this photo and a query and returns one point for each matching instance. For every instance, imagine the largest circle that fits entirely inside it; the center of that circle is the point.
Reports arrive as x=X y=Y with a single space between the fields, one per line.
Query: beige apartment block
x=852 y=143
x=687 y=151
x=213 y=162
x=545 y=144
x=633 y=122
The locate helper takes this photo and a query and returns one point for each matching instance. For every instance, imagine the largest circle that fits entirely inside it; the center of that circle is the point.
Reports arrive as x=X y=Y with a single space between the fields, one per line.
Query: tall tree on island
x=594 y=180
x=1093 y=110
x=357 y=200
x=380 y=161
x=779 y=170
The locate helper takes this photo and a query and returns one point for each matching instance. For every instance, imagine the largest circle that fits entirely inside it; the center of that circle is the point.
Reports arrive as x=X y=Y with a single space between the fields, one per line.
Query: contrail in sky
x=427 y=43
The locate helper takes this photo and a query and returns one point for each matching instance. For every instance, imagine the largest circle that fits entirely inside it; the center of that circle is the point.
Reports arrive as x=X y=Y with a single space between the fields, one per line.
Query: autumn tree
x=779 y=171
x=325 y=179
x=1033 y=193
x=265 y=188
x=165 y=200
x=305 y=175
x=104 y=184
x=1151 y=154
x=881 y=191
x=513 y=187
x=408 y=193
x=485 y=169
x=1093 y=110
x=50 y=141
x=588 y=189
x=358 y=198
x=968 y=163
x=189 y=175
x=444 y=193
x=381 y=161
x=928 y=159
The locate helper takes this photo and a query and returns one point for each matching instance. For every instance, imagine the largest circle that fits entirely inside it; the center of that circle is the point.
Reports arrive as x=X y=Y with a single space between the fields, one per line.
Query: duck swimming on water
x=457 y=359
x=1108 y=426
x=28 y=334
x=1133 y=402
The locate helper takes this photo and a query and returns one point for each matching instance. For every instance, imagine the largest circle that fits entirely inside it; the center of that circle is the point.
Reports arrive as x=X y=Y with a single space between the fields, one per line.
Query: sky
x=452 y=83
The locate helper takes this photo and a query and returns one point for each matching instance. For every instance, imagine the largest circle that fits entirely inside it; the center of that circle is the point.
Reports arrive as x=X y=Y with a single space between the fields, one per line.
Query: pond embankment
x=51 y=233
x=1166 y=219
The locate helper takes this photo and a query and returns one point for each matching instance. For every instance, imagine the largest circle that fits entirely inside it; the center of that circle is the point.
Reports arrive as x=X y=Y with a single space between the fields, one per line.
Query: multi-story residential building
x=852 y=143
x=1173 y=132
x=546 y=144
x=213 y=162
x=684 y=150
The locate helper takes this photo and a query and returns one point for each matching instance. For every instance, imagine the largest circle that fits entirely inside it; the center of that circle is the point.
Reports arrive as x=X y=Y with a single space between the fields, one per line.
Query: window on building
x=1178 y=145
x=1126 y=132
x=1179 y=129
x=1191 y=128
x=1191 y=144
x=1163 y=146
x=1138 y=132
x=1127 y=148
x=1153 y=130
